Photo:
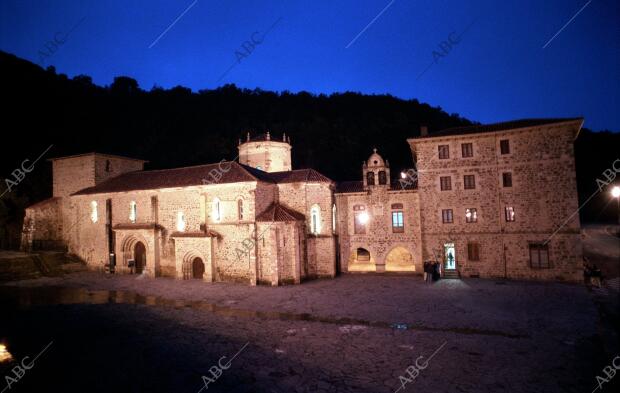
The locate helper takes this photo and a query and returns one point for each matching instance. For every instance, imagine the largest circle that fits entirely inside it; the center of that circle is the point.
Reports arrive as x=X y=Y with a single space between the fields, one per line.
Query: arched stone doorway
x=399 y=260
x=198 y=268
x=361 y=261
x=139 y=257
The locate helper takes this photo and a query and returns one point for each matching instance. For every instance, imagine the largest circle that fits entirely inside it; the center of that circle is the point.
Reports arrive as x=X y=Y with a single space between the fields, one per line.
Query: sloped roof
x=277 y=212
x=503 y=126
x=298 y=175
x=350 y=186
x=220 y=173
x=345 y=187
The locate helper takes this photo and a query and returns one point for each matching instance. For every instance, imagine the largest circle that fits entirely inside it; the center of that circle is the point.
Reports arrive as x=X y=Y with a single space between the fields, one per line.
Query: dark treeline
x=176 y=127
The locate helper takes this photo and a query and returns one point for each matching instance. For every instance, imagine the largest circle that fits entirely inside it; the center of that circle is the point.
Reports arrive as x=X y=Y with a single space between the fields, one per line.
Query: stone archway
x=193 y=267
x=399 y=259
x=134 y=249
x=361 y=260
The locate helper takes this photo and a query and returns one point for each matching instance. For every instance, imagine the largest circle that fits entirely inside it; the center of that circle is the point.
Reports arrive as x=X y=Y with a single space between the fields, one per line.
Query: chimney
x=423 y=131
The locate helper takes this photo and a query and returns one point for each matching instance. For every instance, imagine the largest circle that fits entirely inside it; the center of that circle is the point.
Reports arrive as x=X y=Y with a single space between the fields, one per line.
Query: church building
x=484 y=201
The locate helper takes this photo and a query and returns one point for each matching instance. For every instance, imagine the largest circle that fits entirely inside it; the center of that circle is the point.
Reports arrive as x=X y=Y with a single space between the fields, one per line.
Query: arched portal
x=198 y=268
x=139 y=256
x=361 y=261
x=399 y=260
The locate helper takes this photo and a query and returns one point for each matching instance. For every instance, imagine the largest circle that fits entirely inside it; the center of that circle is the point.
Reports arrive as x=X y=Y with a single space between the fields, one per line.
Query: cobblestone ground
x=322 y=336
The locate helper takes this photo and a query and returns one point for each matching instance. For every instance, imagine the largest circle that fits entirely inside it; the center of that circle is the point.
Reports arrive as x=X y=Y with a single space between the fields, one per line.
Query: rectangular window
x=507 y=179
x=445 y=183
x=469 y=182
x=504 y=146
x=444 y=152
x=359 y=223
x=471 y=215
x=473 y=251
x=467 y=149
x=398 y=224
x=510 y=213
x=539 y=256
x=446 y=216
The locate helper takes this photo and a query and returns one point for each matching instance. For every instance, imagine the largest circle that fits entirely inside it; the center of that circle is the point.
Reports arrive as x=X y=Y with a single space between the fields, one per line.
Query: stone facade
x=521 y=181
x=260 y=222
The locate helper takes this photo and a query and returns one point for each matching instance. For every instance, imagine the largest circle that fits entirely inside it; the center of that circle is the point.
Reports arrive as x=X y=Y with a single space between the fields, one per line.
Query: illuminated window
x=133 y=211
x=93 y=211
x=398 y=224
x=180 y=222
x=360 y=219
x=471 y=215
x=240 y=209
x=217 y=212
x=510 y=213
x=315 y=220
x=334 y=218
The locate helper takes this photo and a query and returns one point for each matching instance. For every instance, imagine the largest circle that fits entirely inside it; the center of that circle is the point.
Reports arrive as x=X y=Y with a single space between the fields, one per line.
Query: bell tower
x=376 y=171
x=262 y=152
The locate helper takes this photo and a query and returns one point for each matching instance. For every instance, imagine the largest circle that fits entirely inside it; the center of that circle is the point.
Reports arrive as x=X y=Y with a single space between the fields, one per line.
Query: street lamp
x=615 y=193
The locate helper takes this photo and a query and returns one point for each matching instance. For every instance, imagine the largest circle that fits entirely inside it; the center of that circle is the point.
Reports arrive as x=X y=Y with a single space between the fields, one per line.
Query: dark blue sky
x=498 y=70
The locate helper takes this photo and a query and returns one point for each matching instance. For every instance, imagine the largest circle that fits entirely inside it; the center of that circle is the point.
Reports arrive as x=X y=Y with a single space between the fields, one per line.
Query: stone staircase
x=451 y=274
x=24 y=266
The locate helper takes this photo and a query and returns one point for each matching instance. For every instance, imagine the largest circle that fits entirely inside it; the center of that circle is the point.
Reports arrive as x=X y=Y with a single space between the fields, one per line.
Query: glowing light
x=93 y=211
x=403 y=175
x=180 y=222
x=615 y=192
x=5 y=355
x=363 y=217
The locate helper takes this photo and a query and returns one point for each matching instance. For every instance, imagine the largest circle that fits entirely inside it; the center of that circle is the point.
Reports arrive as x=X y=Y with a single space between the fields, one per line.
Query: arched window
x=180 y=222
x=107 y=166
x=133 y=211
x=93 y=211
x=334 y=218
x=217 y=212
x=240 y=209
x=315 y=220
x=382 y=177
x=370 y=178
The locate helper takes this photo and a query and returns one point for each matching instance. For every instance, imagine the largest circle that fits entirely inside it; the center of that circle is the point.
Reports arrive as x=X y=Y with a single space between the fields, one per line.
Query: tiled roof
x=504 y=126
x=277 y=212
x=358 y=186
x=220 y=173
x=298 y=175
x=350 y=186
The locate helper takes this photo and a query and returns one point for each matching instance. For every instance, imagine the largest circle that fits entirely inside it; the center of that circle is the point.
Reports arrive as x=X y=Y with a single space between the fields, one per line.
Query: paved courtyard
x=352 y=334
